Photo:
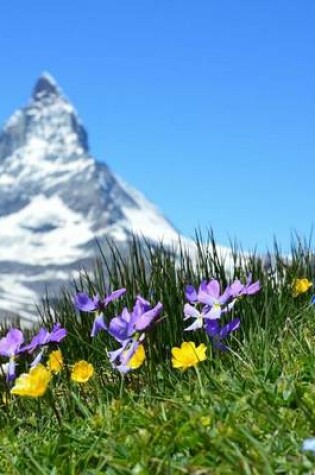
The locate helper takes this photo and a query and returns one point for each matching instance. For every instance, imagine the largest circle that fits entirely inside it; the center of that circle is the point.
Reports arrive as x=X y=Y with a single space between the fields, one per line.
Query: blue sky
x=208 y=107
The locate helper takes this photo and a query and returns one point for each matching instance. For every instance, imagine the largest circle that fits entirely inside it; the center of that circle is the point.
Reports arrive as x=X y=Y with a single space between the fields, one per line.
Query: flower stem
x=202 y=391
x=122 y=386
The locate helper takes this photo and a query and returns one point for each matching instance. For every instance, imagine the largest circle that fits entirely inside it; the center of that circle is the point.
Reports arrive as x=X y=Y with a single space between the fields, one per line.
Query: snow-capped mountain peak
x=55 y=199
x=46 y=85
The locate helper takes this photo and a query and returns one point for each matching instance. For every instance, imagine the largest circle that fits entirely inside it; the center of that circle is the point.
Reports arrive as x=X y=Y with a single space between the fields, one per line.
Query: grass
x=248 y=413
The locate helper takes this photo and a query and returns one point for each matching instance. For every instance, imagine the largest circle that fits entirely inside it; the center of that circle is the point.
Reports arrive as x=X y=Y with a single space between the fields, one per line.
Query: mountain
x=56 y=199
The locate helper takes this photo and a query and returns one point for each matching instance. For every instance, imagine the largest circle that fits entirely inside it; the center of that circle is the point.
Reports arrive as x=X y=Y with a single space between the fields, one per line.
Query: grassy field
x=243 y=411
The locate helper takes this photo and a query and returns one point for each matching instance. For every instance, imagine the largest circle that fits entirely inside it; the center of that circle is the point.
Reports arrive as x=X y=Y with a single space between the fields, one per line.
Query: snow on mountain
x=55 y=199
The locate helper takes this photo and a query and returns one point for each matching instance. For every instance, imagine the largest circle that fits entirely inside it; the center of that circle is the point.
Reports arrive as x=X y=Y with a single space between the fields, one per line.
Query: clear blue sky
x=208 y=107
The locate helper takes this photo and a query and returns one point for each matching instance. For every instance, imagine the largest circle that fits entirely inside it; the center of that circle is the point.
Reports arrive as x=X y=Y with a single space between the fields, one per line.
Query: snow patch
x=60 y=245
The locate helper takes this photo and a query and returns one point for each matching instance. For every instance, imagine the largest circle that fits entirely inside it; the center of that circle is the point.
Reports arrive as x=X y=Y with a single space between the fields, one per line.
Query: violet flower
x=214 y=303
x=84 y=303
x=95 y=304
x=217 y=333
x=10 y=346
x=238 y=289
x=126 y=325
x=209 y=294
x=128 y=329
x=98 y=325
x=121 y=357
x=43 y=338
x=192 y=312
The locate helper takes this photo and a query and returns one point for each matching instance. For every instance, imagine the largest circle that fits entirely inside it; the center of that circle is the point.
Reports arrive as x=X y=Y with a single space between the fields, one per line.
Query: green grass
x=248 y=413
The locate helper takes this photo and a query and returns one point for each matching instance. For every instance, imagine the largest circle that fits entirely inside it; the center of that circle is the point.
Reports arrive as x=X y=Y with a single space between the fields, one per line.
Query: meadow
x=238 y=398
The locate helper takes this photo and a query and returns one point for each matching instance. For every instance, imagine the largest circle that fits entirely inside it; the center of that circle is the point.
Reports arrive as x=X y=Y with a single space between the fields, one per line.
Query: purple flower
x=84 y=303
x=214 y=303
x=44 y=337
x=37 y=359
x=199 y=316
x=10 y=346
x=98 y=325
x=128 y=330
x=209 y=295
x=191 y=294
x=126 y=325
x=217 y=333
x=238 y=289
x=121 y=357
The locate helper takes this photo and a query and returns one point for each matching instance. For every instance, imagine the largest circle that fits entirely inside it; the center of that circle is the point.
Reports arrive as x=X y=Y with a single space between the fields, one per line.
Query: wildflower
x=205 y=420
x=55 y=362
x=214 y=304
x=128 y=330
x=83 y=302
x=300 y=286
x=32 y=384
x=137 y=359
x=188 y=355
x=127 y=324
x=217 y=333
x=199 y=316
x=237 y=289
x=312 y=302
x=309 y=445
x=43 y=338
x=98 y=325
x=97 y=305
x=10 y=346
x=191 y=294
x=209 y=294
x=82 y=371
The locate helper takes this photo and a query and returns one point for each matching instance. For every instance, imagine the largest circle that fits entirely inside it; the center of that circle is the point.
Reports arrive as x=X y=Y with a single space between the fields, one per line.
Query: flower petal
x=114 y=296
x=84 y=303
x=196 y=325
x=144 y=321
x=98 y=325
x=213 y=288
x=191 y=293
x=230 y=327
x=10 y=344
x=190 y=311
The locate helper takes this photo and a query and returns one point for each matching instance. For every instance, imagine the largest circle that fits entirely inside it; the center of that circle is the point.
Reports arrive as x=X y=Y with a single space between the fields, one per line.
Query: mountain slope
x=55 y=199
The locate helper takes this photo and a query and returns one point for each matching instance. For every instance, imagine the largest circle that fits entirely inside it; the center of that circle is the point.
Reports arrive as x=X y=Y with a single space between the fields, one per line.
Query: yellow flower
x=137 y=359
x=300 y=286
x=188 y=355
x=55 y=362
x=82 y=371
x=32 y=384
x=205 y=420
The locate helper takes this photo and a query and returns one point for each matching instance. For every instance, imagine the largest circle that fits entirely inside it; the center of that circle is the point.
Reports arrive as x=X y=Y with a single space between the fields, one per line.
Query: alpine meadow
x=165 y=363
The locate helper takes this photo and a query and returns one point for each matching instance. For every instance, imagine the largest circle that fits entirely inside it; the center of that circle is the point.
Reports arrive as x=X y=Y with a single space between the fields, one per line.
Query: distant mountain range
x=55 y=199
